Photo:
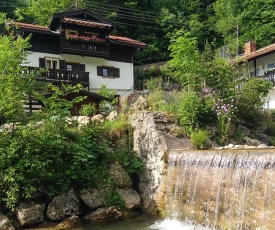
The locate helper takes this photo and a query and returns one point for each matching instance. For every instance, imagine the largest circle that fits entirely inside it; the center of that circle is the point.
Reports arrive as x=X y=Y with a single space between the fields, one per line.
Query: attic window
x=70 y=33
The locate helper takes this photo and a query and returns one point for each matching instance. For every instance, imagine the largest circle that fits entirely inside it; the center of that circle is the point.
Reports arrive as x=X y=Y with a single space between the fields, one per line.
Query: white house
x=261 y=63
x=78 y=47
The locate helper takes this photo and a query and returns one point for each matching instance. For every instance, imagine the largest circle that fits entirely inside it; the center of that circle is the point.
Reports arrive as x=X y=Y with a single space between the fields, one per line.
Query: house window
x=257 y=72
x=70 y=33
x=52 y=63
x=74 y=66
x=69 y=67
x=251 y=74
x=108 y=71
x=270 y=66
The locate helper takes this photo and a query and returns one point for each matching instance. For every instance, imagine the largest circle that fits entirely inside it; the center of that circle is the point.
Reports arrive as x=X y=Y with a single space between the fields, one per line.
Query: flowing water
x=209 y=190
x=222 y=189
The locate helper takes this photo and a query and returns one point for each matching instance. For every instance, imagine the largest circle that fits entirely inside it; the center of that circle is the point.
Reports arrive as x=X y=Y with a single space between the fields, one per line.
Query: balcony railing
x=61 y=76
x=88 y=48
x=269 y=75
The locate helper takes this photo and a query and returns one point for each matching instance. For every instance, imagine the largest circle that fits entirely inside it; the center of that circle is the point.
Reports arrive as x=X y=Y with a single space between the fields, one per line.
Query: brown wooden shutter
x=116 y=72
x=99 y=71
x=62 y=64
x=82 y=67
x=42 y=62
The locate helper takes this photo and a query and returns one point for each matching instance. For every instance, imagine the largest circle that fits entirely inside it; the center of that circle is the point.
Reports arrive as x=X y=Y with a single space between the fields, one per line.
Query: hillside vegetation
x=48 y=148
x=221 y=23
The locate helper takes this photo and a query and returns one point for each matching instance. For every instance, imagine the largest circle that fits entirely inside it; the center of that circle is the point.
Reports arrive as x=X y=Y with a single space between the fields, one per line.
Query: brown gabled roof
x=112 y=38
x=86 y=23
x=126 y=40
x=31 y=26
x=260 y=52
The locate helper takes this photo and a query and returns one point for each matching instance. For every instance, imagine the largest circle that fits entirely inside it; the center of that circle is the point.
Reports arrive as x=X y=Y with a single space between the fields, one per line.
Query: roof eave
x=63 y=14
x=128 y=44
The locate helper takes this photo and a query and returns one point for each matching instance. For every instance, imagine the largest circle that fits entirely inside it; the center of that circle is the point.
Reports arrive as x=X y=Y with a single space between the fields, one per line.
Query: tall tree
x=40 y=11
x=12 y=82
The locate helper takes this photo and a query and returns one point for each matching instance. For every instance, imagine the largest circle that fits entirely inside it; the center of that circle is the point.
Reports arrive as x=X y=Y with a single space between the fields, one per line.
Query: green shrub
x=188 y=111
x=270 y=130
x=200 y=139
x=49 y=159
x=87 y=110
x=119 y=133
x=114 y=199
x=154 y=98
x=251 y=97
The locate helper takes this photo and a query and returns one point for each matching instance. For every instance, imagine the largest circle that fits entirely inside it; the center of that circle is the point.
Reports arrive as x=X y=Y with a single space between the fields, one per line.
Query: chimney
x=250 y=47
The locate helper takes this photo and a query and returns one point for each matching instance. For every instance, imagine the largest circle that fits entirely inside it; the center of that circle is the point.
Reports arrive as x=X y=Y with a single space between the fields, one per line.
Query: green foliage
x=127 y=158
x=114 y=199
x=56 y=105
x=270 y=130
x=40 y=11
x=200 y=139
x=106 y=106
x=12 y=81
x=186 y=60
x=119 y=133
x=154 y=84
x=50 y=157
x=144 y=76
x=87 y=110
x=251 y=97
x=188 y=111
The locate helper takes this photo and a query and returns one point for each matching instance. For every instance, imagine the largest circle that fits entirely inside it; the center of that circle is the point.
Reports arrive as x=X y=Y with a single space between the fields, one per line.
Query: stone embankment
x=67 y=209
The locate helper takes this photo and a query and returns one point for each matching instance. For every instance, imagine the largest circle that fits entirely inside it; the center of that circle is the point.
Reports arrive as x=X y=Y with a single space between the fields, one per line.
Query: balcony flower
x=85 y=38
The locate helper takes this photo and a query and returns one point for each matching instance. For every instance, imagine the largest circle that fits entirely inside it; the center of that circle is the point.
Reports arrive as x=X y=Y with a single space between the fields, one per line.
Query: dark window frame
x=108 y=72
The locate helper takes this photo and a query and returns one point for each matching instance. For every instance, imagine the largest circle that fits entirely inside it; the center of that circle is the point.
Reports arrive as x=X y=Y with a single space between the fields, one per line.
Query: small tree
x=105 y=106
x=13 y=82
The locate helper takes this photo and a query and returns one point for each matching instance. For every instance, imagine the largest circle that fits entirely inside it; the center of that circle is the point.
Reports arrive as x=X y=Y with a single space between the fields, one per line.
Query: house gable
x=77 y=48
x=82 y=15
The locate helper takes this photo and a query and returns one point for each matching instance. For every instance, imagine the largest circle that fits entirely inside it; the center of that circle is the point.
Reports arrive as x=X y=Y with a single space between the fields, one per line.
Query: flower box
x=85 y=38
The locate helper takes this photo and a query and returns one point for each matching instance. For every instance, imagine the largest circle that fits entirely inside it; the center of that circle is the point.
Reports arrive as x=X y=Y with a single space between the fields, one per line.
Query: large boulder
x=104 y=214
x=112 y=116
x=29 y=214
x=63 y=206
x=69 y=222
x=83 y=120
x=140 y=104
x=93 y=198
x=151 y=144
x=130 y=197
x=98 y=119
x=5 y=223
x=120 y=176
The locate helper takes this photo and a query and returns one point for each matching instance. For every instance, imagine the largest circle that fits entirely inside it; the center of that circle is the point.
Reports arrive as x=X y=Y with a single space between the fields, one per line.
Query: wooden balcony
x=269 y=75
x=86 y=48
x=61 y=76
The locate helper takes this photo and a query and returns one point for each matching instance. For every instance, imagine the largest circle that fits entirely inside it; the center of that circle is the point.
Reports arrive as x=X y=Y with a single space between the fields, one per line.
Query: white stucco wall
x=123 y=85
x=262 y=63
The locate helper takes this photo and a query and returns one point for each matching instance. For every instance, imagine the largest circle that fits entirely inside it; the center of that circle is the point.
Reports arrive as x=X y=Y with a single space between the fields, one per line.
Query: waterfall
x=225 y=189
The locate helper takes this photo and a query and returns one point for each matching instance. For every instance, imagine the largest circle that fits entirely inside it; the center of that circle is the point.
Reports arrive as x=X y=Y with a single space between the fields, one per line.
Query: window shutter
x=82 y=67
x=62 y=64
x=116 y=72
x=42 y=62
x=99 y=71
